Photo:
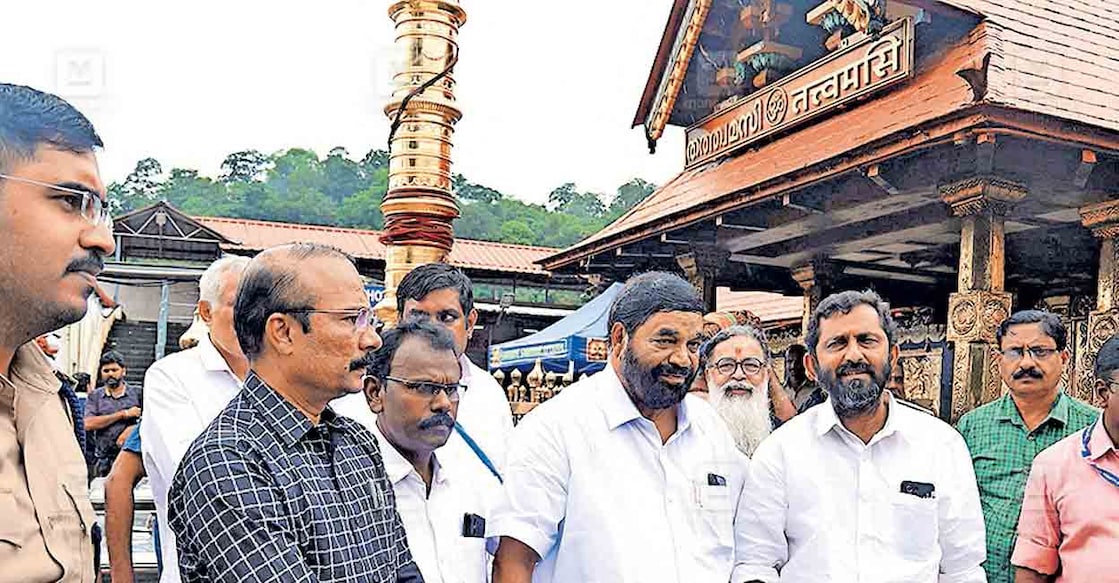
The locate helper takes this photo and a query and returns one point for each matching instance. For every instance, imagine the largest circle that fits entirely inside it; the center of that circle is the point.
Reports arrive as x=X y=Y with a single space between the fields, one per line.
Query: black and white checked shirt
x=265 y=495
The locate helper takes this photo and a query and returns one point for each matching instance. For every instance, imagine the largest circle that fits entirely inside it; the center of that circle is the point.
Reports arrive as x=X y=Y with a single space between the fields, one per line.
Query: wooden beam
x=1084 y=170
x=874 y=173
x=787 y=201
x=721 y=222
x=985 y=152
x=836 y=218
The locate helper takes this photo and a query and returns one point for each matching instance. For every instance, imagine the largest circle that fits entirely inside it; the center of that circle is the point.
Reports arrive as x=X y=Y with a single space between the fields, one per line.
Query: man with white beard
x=736 y=367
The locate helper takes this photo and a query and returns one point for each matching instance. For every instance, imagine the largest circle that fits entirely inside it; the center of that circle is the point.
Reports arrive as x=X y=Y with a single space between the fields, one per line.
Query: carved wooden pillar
x=1103 y=322
x=817 y=279
x=981 y=302
x=701 y=267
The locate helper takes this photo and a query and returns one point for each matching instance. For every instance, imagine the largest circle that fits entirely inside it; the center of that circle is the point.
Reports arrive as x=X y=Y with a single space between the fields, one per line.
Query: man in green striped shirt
x=1005 y=435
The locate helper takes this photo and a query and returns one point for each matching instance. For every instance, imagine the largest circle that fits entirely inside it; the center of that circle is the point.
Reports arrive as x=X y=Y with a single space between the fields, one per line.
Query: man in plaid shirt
x=279 y=487
x=1006 y=434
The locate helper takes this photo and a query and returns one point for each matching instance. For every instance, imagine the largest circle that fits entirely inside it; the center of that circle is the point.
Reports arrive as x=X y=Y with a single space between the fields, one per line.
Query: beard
x=646 y=387
x=746 y=416
x=857 y=396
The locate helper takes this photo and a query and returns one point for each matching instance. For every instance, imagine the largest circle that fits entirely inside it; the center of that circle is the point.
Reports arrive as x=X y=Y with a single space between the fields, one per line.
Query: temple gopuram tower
x=419 y=206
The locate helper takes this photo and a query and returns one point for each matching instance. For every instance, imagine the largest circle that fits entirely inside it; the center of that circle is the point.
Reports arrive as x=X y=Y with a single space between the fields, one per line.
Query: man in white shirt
x=862 y=487
x=185 y=391
x=444 y=294
x=414 y=386
x=622 y=478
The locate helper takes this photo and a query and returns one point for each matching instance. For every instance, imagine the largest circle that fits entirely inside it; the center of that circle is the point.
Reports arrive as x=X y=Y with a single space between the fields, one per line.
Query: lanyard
x=485 y=459
x=1085 y=452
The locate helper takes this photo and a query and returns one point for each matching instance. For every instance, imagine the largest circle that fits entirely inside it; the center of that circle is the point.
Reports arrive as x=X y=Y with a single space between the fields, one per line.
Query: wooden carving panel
x=975 y=315
x=922 y=376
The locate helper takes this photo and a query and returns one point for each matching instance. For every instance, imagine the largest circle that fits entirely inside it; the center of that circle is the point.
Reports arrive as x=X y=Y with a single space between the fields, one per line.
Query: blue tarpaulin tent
x=579 y=338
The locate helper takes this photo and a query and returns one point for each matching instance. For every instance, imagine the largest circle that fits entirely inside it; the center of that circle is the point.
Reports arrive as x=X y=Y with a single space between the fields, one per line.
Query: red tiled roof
x=770 y=307
x=252 y=235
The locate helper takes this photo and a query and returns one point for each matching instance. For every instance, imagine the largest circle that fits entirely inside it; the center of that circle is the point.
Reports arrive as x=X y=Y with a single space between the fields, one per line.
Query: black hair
x=30 y=118
x=1050 y=323
x=729 y=332
x=843 y=303
x=432 y=277
x=649 y=293
x=271 y=286
x=1107 y=359
x=112 y=357
x=437 y=337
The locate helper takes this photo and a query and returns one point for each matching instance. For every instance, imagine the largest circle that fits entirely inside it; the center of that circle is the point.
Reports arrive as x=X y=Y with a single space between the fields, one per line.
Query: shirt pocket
x=915 y=529
x=714 y=511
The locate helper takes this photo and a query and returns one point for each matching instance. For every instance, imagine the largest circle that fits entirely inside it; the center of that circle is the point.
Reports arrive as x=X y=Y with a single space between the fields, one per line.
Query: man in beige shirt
x=55 y=230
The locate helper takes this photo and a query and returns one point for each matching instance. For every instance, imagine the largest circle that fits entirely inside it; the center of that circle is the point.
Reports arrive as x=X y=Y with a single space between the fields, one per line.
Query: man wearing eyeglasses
x=1006 y=434
x=735 y=365
x=414 y=387
x=278 y=487
x=55 y=231
x=1069 y=528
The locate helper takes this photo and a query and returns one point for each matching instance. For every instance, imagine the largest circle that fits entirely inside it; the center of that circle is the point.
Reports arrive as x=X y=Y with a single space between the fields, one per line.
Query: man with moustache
x=444 y=294
x=55 y=230
x=739 y=380
x=111 y=411
x=622 y=478
x=415 y=387
x=861 y=487
x=278 y=487
x=1006 y=434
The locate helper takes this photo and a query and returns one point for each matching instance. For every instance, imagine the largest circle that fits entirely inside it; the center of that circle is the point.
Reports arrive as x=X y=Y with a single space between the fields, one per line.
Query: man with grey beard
x=735 y=365
x=863 y=486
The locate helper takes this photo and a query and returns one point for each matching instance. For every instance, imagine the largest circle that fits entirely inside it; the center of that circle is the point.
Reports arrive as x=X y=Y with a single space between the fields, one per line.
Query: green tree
x=244 y=166
x=629 y=195
x=363 y=209
x=140 y=188
x=517 y=232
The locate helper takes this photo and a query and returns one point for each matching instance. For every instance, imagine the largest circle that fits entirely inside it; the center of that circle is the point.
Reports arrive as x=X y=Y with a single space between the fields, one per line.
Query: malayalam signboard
x=847 y=74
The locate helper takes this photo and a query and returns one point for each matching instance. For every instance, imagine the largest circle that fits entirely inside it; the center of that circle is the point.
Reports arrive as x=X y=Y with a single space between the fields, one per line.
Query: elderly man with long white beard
x=736 y=368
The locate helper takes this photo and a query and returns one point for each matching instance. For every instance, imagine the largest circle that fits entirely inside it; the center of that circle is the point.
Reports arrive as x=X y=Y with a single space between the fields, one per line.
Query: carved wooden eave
x=976 y=194
x=677 y=69
x=1102 y=218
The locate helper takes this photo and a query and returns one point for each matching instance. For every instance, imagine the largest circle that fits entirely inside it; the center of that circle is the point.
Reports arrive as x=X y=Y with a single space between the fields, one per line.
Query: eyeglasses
x=85 y=202
x=1035 y=352
x=726 y=366
x=363 y=317
x=1112 y=386
x=430 y=389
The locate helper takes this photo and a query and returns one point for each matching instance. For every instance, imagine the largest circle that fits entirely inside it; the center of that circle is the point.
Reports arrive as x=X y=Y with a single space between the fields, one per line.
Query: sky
x=548 y=89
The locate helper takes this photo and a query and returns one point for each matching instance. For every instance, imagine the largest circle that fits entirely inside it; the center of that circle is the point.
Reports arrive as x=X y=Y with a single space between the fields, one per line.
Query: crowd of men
x=300 y=442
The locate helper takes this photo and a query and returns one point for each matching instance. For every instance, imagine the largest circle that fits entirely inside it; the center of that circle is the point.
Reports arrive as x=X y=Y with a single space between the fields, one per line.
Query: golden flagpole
x=419 y=206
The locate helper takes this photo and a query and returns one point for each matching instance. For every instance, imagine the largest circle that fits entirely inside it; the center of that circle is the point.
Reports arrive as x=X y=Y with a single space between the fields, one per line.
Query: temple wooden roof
x=1046 y=69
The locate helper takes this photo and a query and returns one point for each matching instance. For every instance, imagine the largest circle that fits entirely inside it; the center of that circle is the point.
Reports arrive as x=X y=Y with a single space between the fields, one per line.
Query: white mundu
x=820 y=505
x=590 y=487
